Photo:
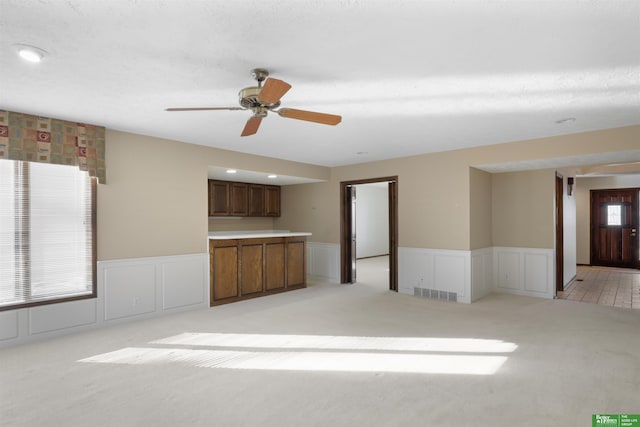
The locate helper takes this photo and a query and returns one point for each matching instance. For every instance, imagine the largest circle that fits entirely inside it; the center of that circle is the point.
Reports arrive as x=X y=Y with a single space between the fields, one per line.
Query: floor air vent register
x=435 y=294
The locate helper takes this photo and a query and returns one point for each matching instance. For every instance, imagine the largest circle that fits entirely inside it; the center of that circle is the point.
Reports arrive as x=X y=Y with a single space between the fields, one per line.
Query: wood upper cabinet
x=271 y=200
x=228 y=198
x=218 y=198
x=256 y=200
x=239 y=198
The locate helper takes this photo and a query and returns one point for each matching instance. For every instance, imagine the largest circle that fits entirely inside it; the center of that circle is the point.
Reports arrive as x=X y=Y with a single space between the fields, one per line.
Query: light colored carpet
x=336 y=355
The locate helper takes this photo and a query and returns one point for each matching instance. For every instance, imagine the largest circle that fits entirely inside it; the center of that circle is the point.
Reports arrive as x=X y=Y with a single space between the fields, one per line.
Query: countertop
x=254 y=234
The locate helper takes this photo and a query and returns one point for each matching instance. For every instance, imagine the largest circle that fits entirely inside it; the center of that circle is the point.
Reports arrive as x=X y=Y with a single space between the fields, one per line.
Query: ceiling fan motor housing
x=249 y=99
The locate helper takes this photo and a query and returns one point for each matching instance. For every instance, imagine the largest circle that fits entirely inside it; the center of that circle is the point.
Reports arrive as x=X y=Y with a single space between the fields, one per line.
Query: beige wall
x=432 y=191
x=585 y=143
x=480 y=187
x=155 y=202
x=311 y=208
x=523 y=209
x=583 y=215
x=241 y=224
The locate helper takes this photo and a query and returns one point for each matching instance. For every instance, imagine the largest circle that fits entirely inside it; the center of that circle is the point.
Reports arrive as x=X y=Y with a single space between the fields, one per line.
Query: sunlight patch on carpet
x=306 y=361
x=463 y=356
x=328 y=342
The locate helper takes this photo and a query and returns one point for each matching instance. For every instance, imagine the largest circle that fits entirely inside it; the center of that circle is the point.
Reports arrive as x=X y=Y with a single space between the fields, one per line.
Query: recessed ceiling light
x=566 y=120
x=272 y=176
x=30 y=53
x=231 y=171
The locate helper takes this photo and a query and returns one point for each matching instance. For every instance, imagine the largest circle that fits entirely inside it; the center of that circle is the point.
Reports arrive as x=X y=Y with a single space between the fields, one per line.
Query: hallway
x=614 y=287
x=373 y=272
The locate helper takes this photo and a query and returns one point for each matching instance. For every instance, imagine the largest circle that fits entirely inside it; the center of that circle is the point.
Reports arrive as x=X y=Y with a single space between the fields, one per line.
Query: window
x=47 y=234
x=614 y=215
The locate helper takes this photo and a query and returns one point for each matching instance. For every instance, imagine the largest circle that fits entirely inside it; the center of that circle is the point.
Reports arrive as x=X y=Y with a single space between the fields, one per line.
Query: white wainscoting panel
x=127 y=290
x=536 y=271
x=56 y=317
x=481 y=273
x=8 y=325
x=472 y=275
x=508 y=269
x=182 y=283
x=524 y=271
x=432 y=271
x=323 y=261
x=449 y=272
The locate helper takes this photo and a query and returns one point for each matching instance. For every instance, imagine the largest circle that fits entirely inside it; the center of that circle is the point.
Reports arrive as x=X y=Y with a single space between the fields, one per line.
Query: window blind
x=47 y=236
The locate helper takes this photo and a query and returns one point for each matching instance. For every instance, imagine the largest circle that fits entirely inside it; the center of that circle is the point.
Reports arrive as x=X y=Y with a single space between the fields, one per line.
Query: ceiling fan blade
x=273 y=90
x=252 y=126
x=204 y=108
x=310 y=116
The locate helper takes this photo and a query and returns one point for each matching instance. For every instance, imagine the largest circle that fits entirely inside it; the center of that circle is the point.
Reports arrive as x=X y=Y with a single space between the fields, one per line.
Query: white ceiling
x=408 y=77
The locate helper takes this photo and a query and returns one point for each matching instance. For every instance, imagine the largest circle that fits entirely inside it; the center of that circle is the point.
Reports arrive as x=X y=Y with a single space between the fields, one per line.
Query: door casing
x=559 y=233
x=346 y=231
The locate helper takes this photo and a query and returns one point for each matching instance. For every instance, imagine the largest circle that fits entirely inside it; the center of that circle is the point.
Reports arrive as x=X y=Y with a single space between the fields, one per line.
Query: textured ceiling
x=408 y=77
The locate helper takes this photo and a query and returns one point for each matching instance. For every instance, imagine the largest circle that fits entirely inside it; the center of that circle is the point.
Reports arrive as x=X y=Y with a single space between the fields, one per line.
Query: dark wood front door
x=614 y=228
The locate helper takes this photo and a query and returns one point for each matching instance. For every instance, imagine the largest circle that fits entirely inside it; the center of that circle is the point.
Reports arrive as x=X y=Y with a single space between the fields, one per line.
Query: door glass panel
x=614 y=215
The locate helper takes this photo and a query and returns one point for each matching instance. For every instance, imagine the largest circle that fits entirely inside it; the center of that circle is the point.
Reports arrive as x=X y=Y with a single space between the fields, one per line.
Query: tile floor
x=615 y=287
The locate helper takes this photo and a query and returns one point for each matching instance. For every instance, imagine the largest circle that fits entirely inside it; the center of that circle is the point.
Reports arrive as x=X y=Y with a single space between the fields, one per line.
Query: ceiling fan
x=262 y=99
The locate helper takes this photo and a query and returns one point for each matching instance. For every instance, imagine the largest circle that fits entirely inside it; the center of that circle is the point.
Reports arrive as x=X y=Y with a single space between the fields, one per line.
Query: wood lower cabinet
x=249 y=268
x=224 y=271
x=295 y=263
x=275 y=267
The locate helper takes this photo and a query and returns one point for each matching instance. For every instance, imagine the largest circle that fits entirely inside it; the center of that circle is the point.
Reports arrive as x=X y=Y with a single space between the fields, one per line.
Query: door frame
x=559 y=183
x=346 y=215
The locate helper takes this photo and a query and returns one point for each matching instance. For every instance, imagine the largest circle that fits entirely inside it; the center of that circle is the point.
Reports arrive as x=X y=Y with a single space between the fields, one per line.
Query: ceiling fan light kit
x=264 y=98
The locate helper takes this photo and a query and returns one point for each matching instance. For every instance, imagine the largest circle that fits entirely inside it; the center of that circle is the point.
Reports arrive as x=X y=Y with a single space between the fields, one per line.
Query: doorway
x=348 y=238
x=614 y=228
x=559 y=233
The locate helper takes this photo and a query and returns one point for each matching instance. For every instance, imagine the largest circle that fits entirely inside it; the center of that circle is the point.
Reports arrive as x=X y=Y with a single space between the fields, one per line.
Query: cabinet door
x=239 y=199
x=275 y=267
x=224 y=272
x=218 y=198
x=251 y=263
x=295 y=263
x=256 y=200
x=272 y=200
